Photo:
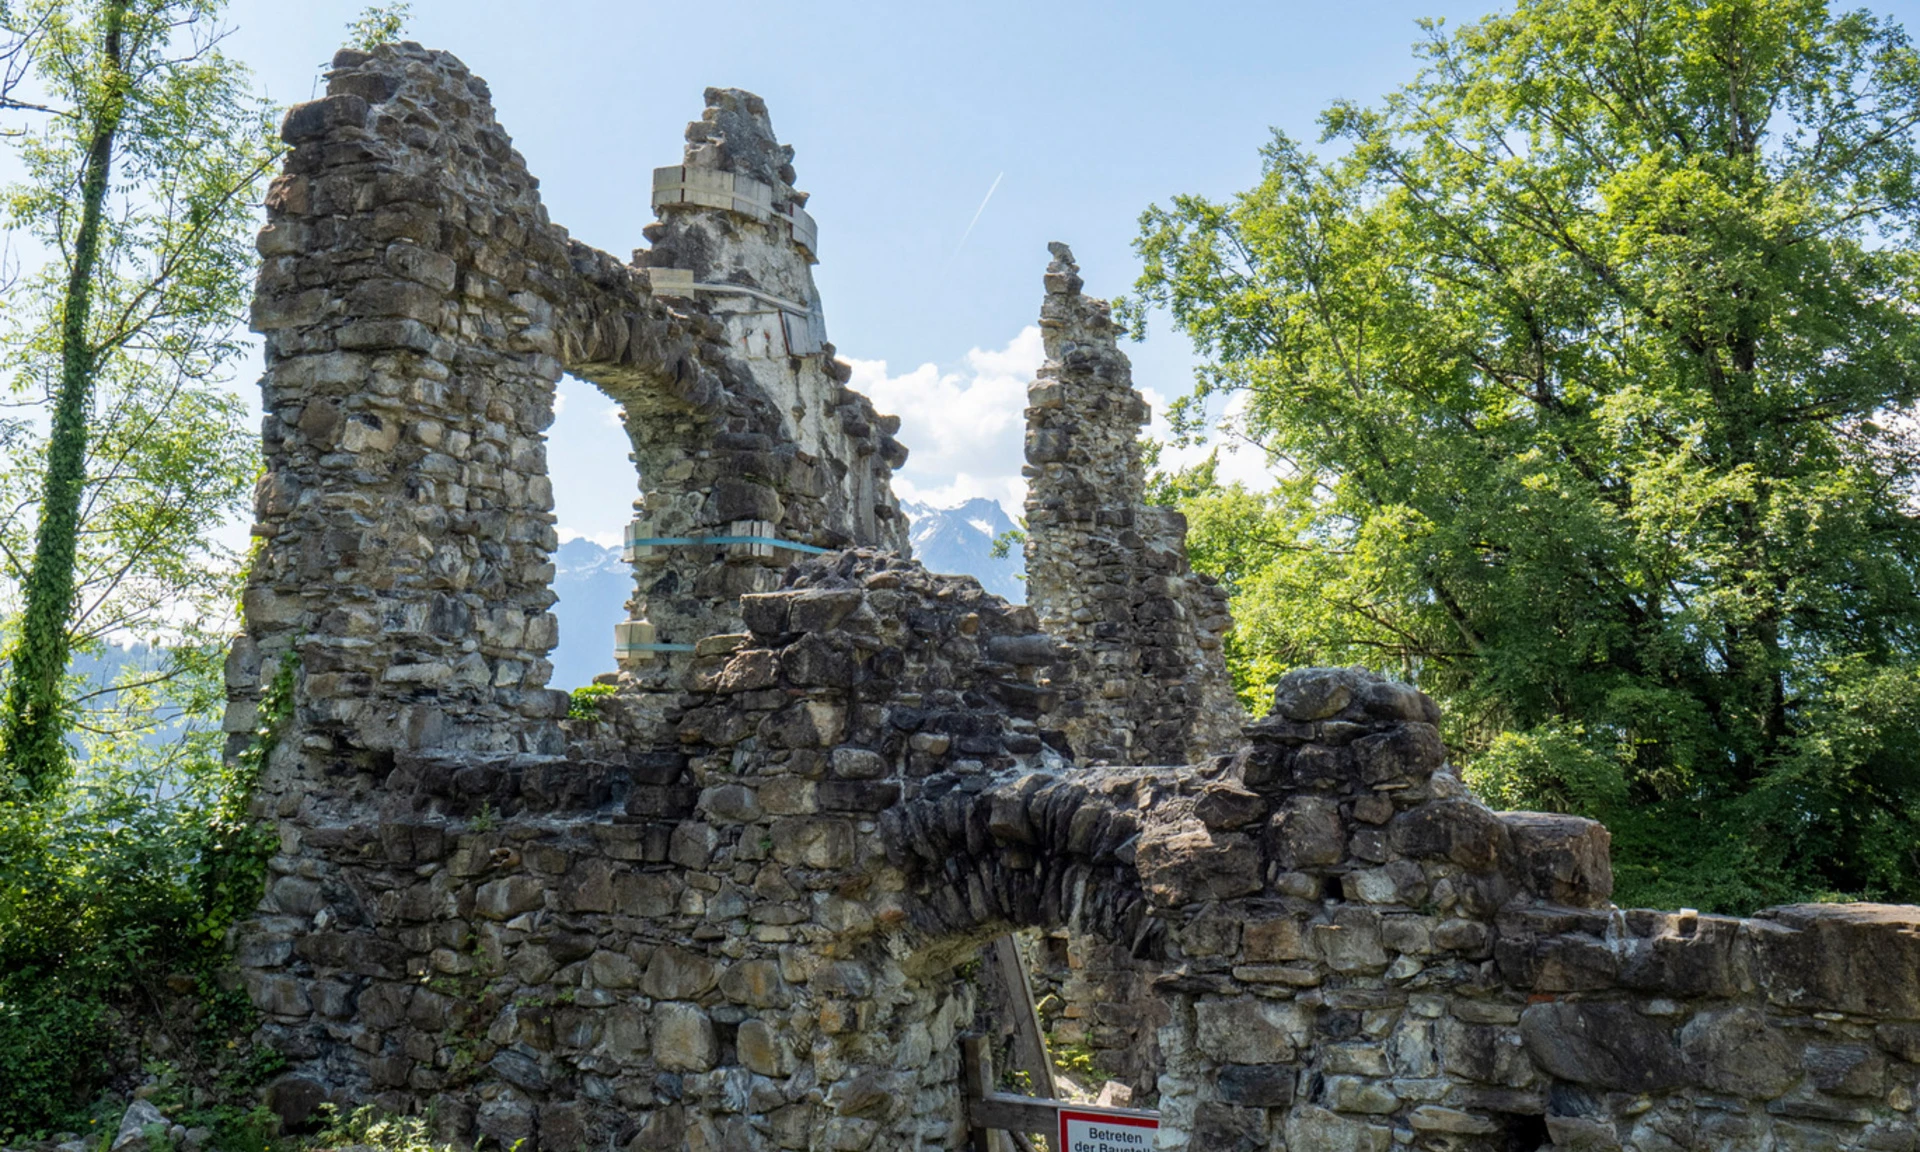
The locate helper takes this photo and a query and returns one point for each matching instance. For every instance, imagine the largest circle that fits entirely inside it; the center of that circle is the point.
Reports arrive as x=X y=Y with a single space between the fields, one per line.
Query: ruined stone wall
x=1096 y=1002
x=1144 y=679
x=746 y=935
x=1108 y=572
x=693 y=938
x=417 y=307
x=733 y=914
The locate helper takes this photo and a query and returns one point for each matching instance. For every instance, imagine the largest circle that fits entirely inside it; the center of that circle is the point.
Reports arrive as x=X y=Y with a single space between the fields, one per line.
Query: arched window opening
x=595 y=486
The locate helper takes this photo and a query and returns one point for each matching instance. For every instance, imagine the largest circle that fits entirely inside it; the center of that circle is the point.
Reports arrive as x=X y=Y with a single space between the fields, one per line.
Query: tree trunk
x=36 y=711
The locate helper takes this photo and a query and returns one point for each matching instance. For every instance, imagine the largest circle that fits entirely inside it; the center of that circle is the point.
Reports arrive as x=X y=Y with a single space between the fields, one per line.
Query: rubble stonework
x=417 y=307
x=731 y=911
x=1107 y=571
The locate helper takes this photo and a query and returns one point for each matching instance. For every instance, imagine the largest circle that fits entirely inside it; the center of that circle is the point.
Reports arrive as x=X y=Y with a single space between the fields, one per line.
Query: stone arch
x=417 y=307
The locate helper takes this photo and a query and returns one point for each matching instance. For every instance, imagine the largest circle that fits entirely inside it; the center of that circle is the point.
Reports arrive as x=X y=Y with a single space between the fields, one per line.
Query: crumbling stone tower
x=1108 y=572
x=735 y=246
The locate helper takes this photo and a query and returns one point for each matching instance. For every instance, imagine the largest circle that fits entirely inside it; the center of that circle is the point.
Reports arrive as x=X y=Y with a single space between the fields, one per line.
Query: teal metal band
x=650 y=541
x=654 y=648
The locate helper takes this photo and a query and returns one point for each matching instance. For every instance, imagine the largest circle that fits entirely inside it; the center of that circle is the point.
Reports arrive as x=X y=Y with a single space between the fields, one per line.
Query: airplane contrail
x=976 y=215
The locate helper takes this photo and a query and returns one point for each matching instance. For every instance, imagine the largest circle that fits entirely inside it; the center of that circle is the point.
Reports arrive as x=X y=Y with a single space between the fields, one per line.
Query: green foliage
x=235 y=1127
x=139 y=185
x=134 y=872
x=230 y=864
x=1589 y=369
x=1549 y=769
x=1004 y=544
x=378 y=24
x=125 y=852
x=92 y=904
x=1233 y=536
x=35 y=722
x=1077 y=1060
x=366 y=1125
x=584 y=703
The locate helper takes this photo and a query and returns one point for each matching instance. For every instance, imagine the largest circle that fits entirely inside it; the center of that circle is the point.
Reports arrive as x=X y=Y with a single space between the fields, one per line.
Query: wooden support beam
x=1007 y=1112
x=1029 y=1043
x=977 y=1069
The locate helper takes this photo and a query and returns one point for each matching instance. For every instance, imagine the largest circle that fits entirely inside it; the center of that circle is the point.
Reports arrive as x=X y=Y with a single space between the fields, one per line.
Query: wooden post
x=977 y=1068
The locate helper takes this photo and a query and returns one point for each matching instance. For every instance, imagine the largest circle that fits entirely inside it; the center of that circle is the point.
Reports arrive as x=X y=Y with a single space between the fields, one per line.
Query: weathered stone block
x=1846 y=1069
x=1738 y=1052
x=1860 y=958
x=764 y=1048
x=1229 y=1129
x=1266 y=941
x=1227 y=805
x=1563 y=859
x=316 y=118
x=1461 y=831
x=1606 y=1045
x=756 y=983
x=1407 y=753
x=821 y=610
x=1308 y=1126
x=613 y=970
x=813 y=843
x=675 y=973
x=1352 y=942
x=1186 y=864
x=1256 y=1085
x=683 y=1037
x=1307 y=833
x=1249 y=1030
x=1316 y=693
x=509 y=896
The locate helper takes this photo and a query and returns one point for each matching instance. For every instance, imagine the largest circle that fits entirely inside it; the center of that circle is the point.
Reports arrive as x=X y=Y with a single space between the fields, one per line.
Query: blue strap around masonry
x=788 y=544
x=655 y=648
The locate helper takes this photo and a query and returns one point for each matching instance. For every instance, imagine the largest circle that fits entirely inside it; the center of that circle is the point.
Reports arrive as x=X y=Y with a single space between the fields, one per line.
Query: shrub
x=585 y=704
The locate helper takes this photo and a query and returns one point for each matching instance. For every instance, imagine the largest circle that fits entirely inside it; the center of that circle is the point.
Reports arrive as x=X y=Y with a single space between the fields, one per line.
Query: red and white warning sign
x=1092 y=1130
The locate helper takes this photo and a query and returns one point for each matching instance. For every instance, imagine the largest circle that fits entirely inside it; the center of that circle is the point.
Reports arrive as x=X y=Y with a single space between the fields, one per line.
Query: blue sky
x=902 y=117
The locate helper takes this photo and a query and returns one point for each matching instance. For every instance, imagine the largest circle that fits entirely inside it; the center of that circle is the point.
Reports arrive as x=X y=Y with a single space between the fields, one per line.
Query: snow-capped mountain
x=594 y=584
x=959 y=540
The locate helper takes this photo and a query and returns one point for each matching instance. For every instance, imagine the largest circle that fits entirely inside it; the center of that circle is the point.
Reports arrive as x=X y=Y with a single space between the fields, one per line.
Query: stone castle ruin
x=735 y=910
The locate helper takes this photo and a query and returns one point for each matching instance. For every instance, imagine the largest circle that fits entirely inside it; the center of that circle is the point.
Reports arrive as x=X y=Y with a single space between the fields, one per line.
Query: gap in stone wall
x=595 y=483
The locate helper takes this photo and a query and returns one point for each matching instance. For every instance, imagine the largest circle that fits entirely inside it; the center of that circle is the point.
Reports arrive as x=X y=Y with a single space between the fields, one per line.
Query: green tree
x=1589 y=361
x=378 y=24
x=143 y=168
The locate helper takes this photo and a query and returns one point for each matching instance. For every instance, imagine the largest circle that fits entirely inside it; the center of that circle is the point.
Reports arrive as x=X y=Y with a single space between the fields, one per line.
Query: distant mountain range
x=959 y=540
x=594 y=584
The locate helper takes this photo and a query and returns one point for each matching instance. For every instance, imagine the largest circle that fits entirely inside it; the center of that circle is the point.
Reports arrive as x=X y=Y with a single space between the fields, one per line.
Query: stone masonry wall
x=1106 y=571
x=417 y=307
x=746 y=936
x=734 y=913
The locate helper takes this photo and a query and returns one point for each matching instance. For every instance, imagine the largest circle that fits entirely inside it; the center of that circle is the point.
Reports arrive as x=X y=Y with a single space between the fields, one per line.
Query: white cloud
x=966 y=428
x=594 y=483
x=1238 y=460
